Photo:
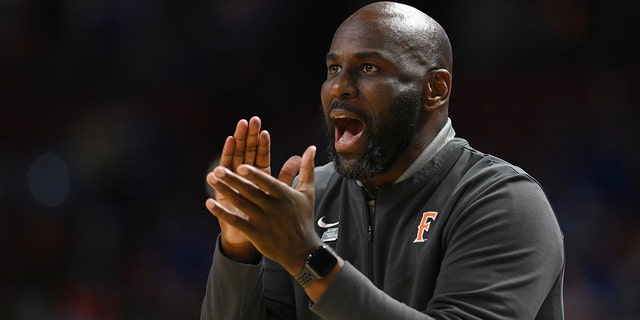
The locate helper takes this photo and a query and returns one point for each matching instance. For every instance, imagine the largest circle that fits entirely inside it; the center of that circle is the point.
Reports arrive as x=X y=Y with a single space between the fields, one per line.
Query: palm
x=248 y=145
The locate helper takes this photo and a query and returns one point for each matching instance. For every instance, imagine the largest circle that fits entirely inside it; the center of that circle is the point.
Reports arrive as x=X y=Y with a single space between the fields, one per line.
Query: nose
x=343 y=86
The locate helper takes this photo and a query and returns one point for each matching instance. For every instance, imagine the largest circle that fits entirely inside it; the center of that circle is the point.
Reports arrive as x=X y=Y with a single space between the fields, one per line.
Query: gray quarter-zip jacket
x=468 y=236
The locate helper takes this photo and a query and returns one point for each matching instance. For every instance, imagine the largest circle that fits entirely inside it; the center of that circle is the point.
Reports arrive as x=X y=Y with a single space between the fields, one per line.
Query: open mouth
x=348 y=128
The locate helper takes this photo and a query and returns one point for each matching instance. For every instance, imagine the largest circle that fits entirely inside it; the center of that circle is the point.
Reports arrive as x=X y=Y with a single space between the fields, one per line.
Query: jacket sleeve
x=352 y=296
x=234 y=290
x=237 y=291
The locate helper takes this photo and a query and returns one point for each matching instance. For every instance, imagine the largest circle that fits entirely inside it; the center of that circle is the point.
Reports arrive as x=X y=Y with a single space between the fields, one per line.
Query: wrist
x=318 y=264
x=316 y=289
x=243 y=253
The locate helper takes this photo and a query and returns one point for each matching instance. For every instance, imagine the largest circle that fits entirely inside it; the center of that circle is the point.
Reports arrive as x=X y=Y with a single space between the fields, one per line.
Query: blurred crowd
x=112 y=112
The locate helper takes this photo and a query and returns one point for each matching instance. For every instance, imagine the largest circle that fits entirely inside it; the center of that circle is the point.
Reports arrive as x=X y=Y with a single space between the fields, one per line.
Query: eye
x=333 y=69
x=368 y=67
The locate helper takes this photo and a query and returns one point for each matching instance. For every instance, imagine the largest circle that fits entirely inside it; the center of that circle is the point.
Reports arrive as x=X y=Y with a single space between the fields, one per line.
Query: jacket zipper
x=372 y=207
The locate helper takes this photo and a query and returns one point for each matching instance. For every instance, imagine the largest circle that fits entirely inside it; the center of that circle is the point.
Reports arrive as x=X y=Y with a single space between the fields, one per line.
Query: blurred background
x=113 y=111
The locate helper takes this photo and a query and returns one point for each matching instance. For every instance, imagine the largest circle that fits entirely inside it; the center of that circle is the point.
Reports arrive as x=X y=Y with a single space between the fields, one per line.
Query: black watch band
x=319 y=263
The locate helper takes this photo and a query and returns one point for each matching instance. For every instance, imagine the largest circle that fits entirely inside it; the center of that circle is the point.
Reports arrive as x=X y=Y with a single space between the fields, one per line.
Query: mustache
x=347 y=107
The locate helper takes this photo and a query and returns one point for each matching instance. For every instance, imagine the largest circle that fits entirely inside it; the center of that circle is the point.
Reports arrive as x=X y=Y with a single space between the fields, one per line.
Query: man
x=407 y=222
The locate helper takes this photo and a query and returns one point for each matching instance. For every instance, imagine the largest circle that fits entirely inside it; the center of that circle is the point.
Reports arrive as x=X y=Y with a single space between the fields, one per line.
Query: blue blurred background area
x=113 y=111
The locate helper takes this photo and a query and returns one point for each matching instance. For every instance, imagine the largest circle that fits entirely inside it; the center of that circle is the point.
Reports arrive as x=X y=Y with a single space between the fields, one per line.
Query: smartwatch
x=317 y=266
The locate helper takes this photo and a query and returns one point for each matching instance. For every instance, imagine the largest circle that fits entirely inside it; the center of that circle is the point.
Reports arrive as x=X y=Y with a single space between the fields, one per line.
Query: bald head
x=411 y=28
x=387 y=90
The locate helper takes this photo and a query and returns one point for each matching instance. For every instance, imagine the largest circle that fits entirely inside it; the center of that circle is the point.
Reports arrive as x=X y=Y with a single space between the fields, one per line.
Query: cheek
x=379 y=103
x=384 y=103
x=324 y=91
x=325 y=95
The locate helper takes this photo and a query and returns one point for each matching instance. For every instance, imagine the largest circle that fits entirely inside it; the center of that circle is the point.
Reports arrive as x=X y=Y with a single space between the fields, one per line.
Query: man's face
x=371 y=101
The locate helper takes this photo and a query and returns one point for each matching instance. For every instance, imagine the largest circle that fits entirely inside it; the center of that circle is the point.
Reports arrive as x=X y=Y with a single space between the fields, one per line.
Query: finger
x=290 y=170
x=226 y=158
x=240 y=136
x=306 y=171
x=270 y=186
x=252 y=141
x=235 y=191
x=213 y=182
x=227 y=216
x=263 y=154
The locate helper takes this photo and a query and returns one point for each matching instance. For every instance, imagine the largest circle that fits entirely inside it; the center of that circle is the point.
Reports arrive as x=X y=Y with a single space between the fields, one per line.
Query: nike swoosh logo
x=325 y=225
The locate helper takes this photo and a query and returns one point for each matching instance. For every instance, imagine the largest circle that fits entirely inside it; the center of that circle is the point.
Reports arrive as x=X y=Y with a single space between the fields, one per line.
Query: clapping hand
x=249 y=145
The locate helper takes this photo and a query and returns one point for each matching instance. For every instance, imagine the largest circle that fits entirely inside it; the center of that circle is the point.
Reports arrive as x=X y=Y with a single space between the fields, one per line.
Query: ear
x=437 y=89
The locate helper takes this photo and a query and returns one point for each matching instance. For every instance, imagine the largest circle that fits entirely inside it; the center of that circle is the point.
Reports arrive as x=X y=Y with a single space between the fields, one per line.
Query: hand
x=250 y=146
x=278 y=220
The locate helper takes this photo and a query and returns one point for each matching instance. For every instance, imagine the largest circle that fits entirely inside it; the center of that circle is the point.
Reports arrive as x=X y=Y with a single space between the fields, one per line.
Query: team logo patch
x=425 y=223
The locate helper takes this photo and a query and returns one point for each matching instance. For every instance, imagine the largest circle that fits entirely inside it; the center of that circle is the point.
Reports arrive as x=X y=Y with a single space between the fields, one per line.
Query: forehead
x=385 y=37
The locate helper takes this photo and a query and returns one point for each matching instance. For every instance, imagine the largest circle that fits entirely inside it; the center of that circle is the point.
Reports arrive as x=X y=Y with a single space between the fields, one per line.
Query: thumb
x=289 y=170
x=306 y=171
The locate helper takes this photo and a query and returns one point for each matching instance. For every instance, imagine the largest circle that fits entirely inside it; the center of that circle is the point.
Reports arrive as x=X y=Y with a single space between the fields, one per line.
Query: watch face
x=322 y=260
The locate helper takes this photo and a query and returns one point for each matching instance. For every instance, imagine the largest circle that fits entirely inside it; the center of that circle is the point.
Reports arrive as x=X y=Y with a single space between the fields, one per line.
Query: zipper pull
x=372 y=207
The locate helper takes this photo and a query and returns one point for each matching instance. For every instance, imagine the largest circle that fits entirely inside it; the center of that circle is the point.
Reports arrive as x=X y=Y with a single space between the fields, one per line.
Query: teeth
x=341 y=140
x=340 y=117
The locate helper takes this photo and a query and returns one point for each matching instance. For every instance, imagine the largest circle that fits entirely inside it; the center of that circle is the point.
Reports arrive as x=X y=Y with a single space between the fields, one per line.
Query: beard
x=387 y=140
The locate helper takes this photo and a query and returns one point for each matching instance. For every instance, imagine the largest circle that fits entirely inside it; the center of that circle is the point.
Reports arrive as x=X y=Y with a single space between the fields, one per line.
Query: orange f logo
x=425 y=223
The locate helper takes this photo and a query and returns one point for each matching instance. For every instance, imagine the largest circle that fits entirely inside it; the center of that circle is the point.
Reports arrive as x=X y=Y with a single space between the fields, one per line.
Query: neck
x=425 y=134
